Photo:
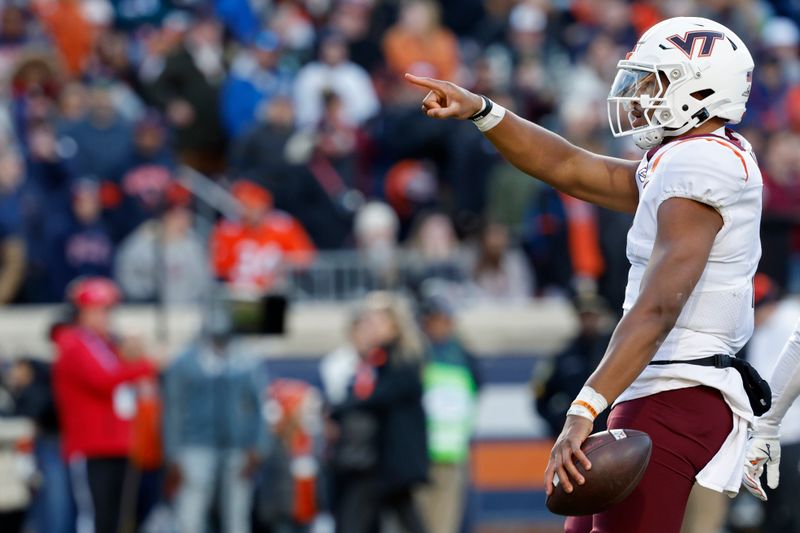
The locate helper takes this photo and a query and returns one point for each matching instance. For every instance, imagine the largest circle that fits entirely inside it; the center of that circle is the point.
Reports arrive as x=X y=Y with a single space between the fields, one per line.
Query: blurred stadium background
x=250 y=172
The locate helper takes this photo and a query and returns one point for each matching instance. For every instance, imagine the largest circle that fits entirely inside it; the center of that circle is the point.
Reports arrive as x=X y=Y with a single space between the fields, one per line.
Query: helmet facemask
x=639 y=103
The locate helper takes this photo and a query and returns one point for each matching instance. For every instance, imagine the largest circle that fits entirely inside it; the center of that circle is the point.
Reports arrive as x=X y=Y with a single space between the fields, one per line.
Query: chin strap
x=649 y=139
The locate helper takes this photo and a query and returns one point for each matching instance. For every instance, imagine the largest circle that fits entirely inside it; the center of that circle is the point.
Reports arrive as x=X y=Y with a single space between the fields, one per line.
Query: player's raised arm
x=601 y=180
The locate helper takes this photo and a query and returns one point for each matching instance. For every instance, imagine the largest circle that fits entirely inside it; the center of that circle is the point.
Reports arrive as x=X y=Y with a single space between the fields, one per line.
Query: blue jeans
x=52 y=510
x=203 y=470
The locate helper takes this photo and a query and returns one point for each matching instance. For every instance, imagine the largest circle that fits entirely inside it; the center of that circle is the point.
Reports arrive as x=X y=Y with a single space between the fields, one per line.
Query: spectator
x=768 y=95
x=46 y=204
x=417 y=43
x=30 y=384
x=82 y=244
x=72 y=105
x=214 y=432
x=781 y=37
x=337 y=368
x=385 y=401
x=93 y=379
x=411 y=187
x=355 y=21
x=14 y=34
x=498 y=271
x=781 y=164
x=435 y=253
x=264 y=152
x=376 y=233
x=249 y=253
x=34 y=84
x=775 y=318
x=12 y=244
x=296 y=423
x=131 y=14
x=68 y=26
x=510 y=193
x=451 y=383
x=101 y=140
x=334 y=72
x=555 y=384
x=333 y=162
x=275 y=154
x=164 y=259
x=256 y=77
x=148 y=173
x=16 y=463
x=113 y=60
x=188 y=91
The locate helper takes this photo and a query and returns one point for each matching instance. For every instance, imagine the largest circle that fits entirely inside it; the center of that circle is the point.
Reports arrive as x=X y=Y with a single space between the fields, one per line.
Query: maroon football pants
x=688 y=427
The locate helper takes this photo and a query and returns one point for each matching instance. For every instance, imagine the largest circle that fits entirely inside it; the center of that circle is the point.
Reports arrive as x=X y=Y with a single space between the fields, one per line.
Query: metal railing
x=348 y=275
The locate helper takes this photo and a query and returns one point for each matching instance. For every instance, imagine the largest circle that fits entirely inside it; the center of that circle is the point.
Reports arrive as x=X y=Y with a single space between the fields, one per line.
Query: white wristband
x=491 y=120
x=589 y=404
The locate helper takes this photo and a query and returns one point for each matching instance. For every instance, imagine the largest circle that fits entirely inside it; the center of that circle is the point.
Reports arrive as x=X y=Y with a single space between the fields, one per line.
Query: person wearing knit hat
x=95 y=375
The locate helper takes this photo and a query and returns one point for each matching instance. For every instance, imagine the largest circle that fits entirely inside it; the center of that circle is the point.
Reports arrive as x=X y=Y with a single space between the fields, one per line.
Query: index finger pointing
x=428 y=83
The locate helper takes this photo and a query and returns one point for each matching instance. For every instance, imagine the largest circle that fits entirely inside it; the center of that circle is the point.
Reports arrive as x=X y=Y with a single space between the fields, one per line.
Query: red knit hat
x=251 y=194
x=93 y=292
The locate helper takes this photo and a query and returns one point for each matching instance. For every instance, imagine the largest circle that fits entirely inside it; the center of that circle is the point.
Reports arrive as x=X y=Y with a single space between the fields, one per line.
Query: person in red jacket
x=94 y=375
x=249 y=253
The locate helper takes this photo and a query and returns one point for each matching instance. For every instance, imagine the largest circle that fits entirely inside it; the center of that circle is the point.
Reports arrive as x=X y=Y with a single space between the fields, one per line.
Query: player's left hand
x=763 y=452
x=567 y=446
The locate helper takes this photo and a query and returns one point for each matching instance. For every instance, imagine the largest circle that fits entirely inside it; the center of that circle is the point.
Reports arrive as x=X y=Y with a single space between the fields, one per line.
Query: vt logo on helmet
x=687 y=42
x=682 y=72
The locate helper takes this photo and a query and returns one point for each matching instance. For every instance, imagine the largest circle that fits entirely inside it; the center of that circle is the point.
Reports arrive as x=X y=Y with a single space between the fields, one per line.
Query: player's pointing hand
x=446 y=99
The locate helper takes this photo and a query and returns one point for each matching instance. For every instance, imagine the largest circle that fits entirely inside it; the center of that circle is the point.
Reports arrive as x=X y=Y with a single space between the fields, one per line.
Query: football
x=619 y=459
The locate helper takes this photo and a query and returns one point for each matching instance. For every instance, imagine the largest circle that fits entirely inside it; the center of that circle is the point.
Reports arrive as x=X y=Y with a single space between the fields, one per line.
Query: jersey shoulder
x=706 y=156
x=708 y=169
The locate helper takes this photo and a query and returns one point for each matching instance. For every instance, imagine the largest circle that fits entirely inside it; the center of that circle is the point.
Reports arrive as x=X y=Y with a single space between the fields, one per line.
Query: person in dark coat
x=556 y=386
x=384 y=413
x=262 y=155
x=30 y=384
x=148 y=175
x=44 y=205
x=188 y=91
x=81 y=245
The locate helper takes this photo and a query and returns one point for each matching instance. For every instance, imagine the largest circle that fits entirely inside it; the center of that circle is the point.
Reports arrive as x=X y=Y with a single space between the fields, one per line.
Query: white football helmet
x=682 y=72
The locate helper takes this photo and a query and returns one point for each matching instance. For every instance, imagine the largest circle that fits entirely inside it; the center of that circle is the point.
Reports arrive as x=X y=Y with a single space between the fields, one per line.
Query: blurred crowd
x=109 y=107
x=111 y=438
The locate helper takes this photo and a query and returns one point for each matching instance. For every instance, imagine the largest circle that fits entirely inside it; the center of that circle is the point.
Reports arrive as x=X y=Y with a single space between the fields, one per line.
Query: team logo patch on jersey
x=641 y=174
x=618 y=434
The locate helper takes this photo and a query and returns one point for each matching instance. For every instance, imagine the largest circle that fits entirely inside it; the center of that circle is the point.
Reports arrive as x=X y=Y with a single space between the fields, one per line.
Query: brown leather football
x=619 y=459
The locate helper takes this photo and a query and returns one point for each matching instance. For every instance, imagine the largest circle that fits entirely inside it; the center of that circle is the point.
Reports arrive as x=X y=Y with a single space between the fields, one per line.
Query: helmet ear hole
x=685 y=107
x=702 y=95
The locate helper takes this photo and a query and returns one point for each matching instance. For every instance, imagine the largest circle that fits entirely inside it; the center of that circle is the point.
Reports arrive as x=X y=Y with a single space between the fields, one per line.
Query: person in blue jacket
x=256 y=77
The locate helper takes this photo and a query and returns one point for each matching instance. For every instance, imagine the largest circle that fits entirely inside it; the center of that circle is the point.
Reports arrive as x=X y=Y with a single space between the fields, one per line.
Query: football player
x=764 y=447
x=693 y=248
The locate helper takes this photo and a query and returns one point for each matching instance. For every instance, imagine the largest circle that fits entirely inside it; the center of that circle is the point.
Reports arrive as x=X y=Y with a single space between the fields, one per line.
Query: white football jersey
x=719 y=170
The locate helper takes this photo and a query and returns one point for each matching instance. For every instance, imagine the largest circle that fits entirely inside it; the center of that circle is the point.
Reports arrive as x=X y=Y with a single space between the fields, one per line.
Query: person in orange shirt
x=249 y=253
x=418 y=43
x=72 y=33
